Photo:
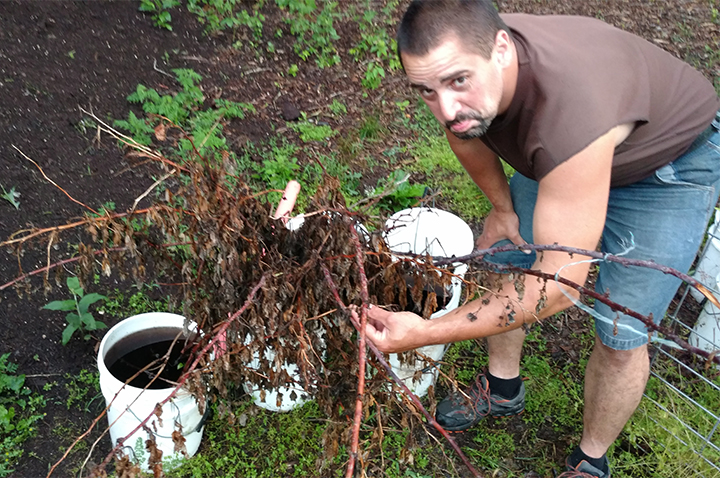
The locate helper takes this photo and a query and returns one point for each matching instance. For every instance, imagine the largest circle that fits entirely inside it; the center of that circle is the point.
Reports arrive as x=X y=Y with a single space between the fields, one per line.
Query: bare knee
x=637 y=357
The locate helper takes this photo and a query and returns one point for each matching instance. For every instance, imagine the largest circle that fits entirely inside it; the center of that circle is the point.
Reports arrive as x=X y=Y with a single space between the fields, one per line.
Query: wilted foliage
x=216 y=237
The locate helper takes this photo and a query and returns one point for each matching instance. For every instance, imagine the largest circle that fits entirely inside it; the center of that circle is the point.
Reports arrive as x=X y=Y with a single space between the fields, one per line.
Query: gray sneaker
x=585 y=470
x=460 y=411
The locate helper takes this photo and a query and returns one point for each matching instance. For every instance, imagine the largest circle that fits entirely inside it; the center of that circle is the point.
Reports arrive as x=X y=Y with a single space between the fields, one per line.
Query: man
x=613 y=140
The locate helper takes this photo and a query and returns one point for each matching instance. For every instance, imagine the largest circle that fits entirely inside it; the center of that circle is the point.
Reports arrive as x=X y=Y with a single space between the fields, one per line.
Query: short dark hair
x=428 y=22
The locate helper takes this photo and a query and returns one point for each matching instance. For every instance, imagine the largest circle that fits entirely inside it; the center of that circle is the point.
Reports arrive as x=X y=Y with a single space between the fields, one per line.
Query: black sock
x=578 y=455
x=506 y=388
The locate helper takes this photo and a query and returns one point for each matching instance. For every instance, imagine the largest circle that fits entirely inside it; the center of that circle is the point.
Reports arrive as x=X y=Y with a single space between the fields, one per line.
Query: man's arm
x=485 y=169
x=570 y=210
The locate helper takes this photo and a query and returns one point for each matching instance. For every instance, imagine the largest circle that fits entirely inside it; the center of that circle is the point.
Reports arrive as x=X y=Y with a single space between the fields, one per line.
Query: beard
x=475 y=131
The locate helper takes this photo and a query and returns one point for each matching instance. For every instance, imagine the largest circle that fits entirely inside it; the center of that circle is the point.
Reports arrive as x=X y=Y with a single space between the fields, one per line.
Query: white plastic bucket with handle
x=129 y=406
x=287 y=397
x=440 y=234
x=283 y=398
x=706 y=332
x=709 y=266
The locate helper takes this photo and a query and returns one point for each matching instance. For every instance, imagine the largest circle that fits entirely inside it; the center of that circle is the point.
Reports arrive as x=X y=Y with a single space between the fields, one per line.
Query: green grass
x=237 y=444
x=20 y=410
x=660 y=427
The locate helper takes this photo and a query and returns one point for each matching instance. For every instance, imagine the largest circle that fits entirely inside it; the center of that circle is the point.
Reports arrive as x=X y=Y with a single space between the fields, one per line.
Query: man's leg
x=661 y=218
x=504 y=352
x=625 y=373
x=500 y=392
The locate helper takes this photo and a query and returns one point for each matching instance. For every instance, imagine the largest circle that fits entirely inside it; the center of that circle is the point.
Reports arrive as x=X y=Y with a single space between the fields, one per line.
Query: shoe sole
x=465 y=428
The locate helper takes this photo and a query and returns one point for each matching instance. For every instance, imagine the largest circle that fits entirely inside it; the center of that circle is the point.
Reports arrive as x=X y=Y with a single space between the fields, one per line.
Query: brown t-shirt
x=578 y=78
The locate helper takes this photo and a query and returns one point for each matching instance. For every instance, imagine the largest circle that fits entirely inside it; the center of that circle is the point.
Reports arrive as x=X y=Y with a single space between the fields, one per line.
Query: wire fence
x=683 y=393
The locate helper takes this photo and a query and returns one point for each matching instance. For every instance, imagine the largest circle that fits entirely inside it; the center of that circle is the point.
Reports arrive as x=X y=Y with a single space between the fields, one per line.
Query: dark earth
x=58 y=56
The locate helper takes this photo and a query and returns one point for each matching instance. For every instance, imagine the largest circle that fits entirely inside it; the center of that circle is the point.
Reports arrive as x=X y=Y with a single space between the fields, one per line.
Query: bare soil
x=58 y=56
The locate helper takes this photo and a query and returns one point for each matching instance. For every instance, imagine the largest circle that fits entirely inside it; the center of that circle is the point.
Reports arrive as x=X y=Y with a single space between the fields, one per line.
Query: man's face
x=462 y=89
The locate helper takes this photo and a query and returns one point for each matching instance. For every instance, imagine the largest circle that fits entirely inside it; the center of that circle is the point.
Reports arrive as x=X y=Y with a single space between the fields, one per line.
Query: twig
x=479 y=254
x=400 y=383
x=52 y=266
x=148 y=190
x=394 y=187
x=159 y=70
x=647 y=320
x=362 y=359
x=53 y=182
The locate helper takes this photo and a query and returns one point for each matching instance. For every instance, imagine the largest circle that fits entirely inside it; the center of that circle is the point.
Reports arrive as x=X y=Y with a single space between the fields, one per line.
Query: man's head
x=456 y=53
x=427 y=23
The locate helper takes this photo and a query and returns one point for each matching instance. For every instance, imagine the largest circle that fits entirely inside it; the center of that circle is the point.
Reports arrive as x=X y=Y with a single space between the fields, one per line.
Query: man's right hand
x=499 y=226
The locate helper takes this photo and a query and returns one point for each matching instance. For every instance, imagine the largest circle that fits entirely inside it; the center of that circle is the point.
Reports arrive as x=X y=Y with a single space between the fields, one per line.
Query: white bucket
x=437 y=233
x=285 y=398
x=132 y=405
x=706 y=333
x=709 y=266
x=280 y=399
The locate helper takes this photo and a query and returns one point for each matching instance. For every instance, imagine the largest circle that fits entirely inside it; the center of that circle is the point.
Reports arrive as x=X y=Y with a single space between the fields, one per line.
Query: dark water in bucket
x=443 y=296
x=136 y=351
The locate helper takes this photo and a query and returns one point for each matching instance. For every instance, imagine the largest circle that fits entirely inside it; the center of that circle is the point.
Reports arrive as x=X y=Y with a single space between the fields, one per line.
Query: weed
x=376 y=45
x=121 y=306
x=312 y=132
x=220 y=15
x=11 y=196
x=314 y=32
x=81 y=319
x=435 y=159
x=491 y=448
x=371 y=128
x=84 y=125
x=337 y=108
x=159 y=9
x=19 y=411
x=374 y=74
x=241 y=450
x=83 y=389
x=403 y=195
x=670 y=429
x=183 y=110
x=293 y=70
x=71 y=54
x=279 y=167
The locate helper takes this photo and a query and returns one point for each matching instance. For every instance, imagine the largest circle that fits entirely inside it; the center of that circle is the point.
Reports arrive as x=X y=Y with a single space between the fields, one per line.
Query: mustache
x=463 y=117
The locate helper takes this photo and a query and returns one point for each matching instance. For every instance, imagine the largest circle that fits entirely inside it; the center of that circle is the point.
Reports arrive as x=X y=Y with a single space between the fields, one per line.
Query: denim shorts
x=665 y=215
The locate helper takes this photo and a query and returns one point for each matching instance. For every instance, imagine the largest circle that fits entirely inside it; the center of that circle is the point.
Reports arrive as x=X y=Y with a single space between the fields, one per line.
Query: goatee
x=476 y=131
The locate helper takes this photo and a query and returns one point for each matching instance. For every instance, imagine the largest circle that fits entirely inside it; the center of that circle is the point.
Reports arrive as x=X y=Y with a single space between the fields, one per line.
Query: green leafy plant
x=19 y=410
x=83 y=389
x=376 y=47
x=314 y=32
x=220 y=15
x=403 y=194
x=11 y=196
x=159 y=9
x=183 y=109
x=337 y=107
x=279 y=166
x=80 y=318
x=312 y=132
